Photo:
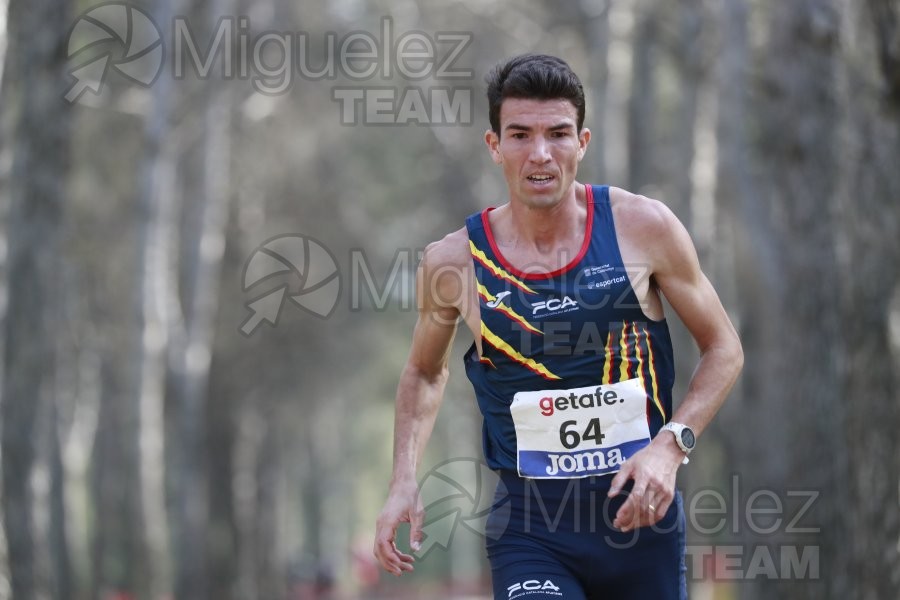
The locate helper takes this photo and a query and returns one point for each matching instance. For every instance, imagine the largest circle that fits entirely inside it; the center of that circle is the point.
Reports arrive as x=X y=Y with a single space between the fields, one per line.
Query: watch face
x=687 y=438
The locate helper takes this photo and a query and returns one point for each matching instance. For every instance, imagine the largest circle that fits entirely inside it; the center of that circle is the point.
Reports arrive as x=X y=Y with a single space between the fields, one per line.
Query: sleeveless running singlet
x=573 y=377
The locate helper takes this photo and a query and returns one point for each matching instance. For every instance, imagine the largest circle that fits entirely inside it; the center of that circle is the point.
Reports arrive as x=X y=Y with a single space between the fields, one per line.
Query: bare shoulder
x=639 y=215
x=445 y=272
x=450 y=251
x=649 y=229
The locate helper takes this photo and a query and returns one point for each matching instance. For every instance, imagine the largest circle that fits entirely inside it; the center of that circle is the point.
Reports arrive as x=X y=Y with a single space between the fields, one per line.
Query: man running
x=572 y=362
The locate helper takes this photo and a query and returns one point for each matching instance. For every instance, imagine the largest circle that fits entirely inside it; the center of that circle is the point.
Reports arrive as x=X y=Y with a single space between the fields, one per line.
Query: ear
x=493 y=143
x=584 y=138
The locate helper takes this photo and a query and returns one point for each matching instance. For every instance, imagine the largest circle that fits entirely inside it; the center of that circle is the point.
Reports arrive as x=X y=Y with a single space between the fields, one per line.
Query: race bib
x=565 y=434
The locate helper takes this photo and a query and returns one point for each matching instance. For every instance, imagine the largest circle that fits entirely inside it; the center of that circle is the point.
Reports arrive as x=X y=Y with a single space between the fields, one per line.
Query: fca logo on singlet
x=553 y=305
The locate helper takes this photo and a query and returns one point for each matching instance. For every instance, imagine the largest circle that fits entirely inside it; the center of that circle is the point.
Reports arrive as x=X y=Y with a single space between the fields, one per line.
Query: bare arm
x=419 y=396
x=677 y=274
x=698 y=306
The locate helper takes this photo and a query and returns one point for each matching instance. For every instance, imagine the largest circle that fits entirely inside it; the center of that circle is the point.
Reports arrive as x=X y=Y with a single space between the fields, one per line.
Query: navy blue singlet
x=576 y=328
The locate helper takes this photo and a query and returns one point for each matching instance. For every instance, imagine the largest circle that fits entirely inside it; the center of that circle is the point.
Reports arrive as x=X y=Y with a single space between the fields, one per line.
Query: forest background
x=211 y=216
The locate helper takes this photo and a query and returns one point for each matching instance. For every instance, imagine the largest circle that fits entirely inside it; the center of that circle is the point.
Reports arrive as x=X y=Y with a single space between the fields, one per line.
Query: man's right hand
x=403 y=506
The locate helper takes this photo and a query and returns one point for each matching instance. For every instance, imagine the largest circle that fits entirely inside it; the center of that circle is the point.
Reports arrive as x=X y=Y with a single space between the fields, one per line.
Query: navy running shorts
x=554 y=539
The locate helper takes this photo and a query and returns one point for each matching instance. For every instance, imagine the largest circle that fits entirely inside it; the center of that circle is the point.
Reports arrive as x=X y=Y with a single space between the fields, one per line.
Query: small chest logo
x=498 y=299
x=606 y=283
x=554 y=305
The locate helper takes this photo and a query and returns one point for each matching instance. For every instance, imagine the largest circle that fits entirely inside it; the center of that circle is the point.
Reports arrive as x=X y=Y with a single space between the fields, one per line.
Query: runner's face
x=539 y=149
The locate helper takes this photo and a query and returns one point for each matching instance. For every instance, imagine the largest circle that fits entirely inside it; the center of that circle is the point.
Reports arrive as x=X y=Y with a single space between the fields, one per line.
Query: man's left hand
x=653 y=470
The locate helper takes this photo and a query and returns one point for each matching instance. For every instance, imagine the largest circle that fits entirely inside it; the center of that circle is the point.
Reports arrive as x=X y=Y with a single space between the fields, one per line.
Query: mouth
x=541 y=179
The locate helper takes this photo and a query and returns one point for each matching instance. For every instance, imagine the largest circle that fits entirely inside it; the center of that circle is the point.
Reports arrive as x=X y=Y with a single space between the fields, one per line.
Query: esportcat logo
x=606 y=283
x=554 y=305
x=525 y=588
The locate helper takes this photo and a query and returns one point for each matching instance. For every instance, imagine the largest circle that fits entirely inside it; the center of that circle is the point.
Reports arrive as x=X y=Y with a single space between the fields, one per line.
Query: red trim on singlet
x=589 y=196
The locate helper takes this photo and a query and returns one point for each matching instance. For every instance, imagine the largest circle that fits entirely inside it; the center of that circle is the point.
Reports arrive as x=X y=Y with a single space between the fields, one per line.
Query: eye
x=560 y=134
x=518 y=135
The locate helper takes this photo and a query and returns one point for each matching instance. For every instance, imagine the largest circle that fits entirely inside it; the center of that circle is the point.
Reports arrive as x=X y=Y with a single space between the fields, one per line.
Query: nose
x=540 y=151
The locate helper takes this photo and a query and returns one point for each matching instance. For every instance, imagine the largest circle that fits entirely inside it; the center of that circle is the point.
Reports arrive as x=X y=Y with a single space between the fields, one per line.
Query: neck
x=543 y=228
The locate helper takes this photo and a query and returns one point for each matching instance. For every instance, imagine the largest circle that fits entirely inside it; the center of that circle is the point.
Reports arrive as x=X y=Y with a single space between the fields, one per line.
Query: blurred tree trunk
x=202 y=249
x=596 y=37
x=265 y=520
x=885 y=18
x=314 y=434
x=642 y=102
x=870 y=390
x=758 y=409
x=82 y=391
x=870 y=151
x=223 y=533
x=689 y=58
x=592 y=18
x=687 y=49
x=799 y=150
x=619 y=55
x=255 y=437
x=251 y=434
x=35 y=73
x=116 y=546
x=58 y=542
x=157 y=210
x=4 y=33
x=222 y=398
x=758 y=405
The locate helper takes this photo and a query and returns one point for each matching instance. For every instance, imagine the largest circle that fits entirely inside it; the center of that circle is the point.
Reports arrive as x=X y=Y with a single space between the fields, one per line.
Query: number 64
x=570 y=438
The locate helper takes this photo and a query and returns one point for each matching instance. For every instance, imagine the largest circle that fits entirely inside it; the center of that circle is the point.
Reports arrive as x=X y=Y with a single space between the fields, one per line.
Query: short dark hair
x=534 y=76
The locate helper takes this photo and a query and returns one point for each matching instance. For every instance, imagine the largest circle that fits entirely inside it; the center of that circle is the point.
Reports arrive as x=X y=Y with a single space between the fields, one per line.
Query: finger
x=389 y=556
x=403 y=561
x=638 y=503
x=396 y=562
x=663 y=507
x=636 y=496
x=651 y=506
x=624 y=515
x=382 y=546
x=391 y=553
x=383 y=553
x=619 y=480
